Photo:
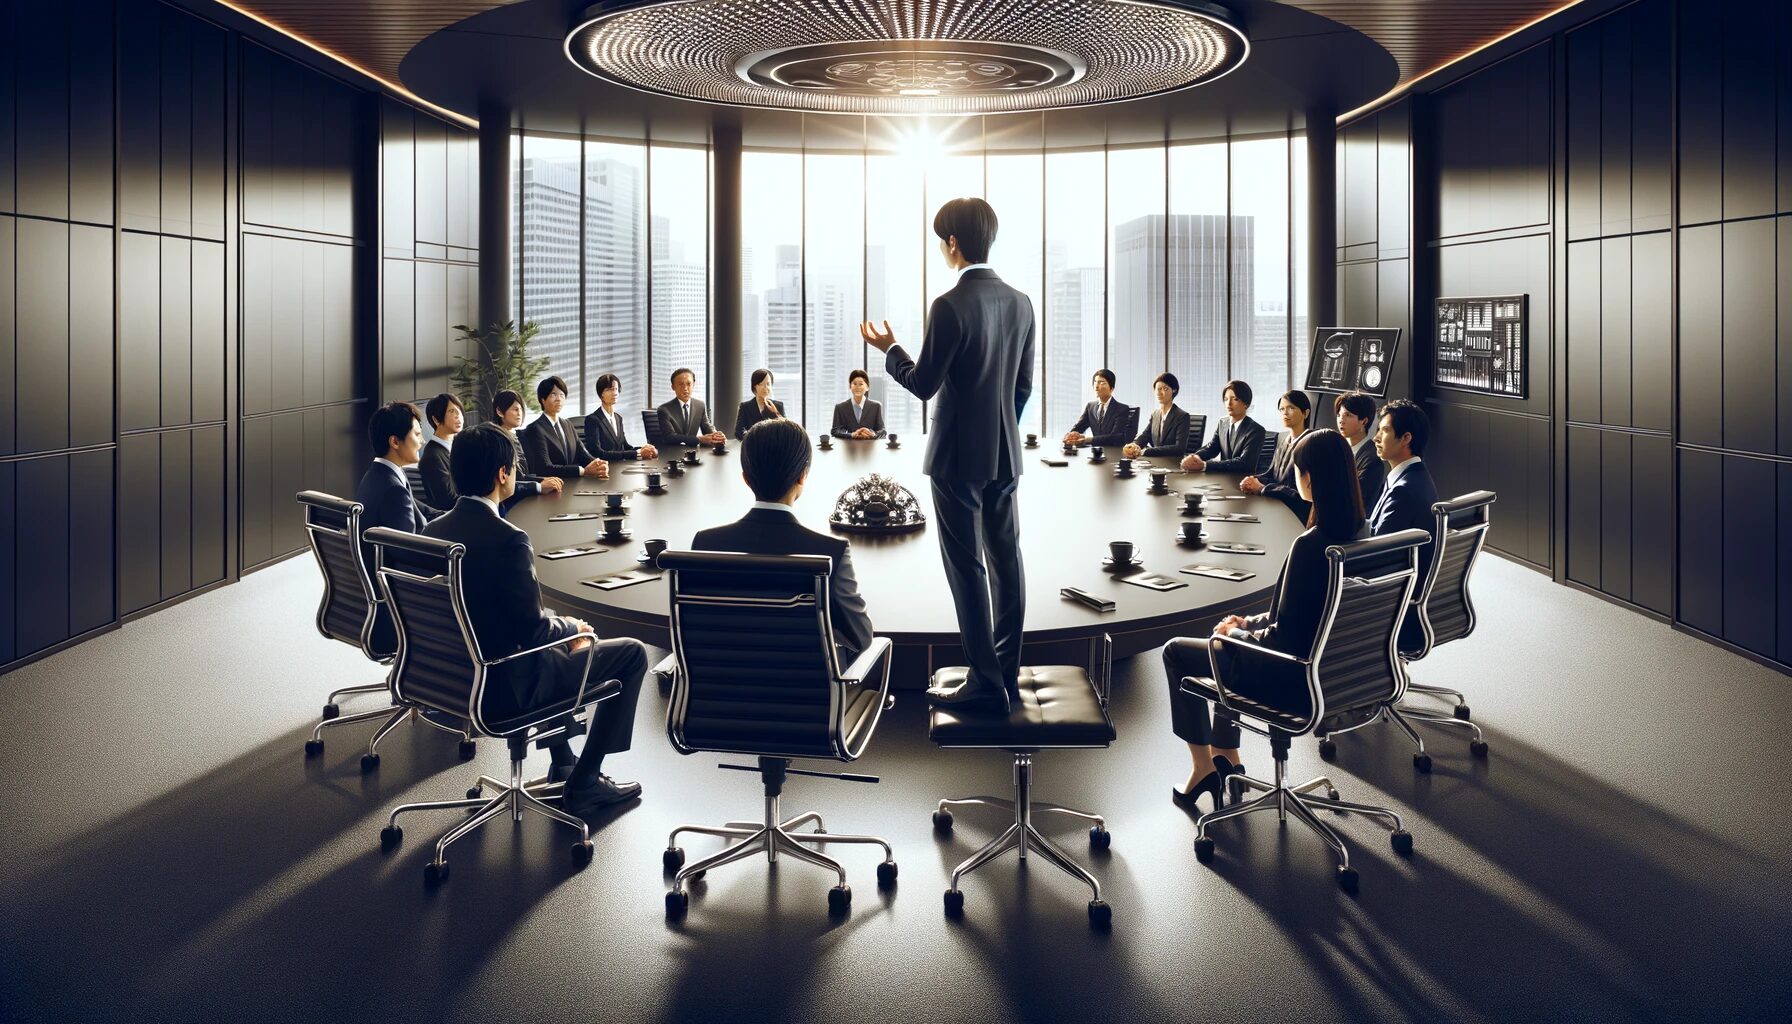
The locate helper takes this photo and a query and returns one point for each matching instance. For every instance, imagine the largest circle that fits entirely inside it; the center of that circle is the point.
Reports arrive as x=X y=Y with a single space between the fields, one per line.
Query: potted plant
x=500 y=361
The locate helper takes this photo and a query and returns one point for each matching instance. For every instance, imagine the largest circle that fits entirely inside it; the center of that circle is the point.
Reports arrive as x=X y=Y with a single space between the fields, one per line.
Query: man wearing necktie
x=684 y=420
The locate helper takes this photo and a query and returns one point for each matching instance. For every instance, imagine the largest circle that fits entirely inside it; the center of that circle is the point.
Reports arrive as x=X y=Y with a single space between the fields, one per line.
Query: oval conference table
x=1068 y=515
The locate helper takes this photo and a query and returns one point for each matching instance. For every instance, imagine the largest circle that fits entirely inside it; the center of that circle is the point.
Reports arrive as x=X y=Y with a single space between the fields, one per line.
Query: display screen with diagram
x=1353 y=359
x=1481 y=345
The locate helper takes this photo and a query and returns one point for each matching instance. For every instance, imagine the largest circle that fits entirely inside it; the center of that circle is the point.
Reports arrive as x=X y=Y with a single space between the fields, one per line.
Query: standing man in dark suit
x=774 y=461
x=1356 y=418
x=552 y=447
x=1405 y=503
x=685 y=420
x=1104 y=422
x=446 y=419
x=978 y=358
x=504 y=604
x=1237 y=445
x=859 y=417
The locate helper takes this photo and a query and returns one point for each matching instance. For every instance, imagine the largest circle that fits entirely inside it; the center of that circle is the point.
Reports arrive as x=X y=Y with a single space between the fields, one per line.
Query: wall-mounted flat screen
x=1353 y=359
x=1481 y=345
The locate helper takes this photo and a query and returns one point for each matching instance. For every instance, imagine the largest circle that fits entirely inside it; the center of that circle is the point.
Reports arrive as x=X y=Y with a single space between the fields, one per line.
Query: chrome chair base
x=395 y=715
x=1403 y=715
x=1459 y=711
x=770 y=837
x=514 y=796
x=1285 y=800
x=332 y=706
x=1022 y=836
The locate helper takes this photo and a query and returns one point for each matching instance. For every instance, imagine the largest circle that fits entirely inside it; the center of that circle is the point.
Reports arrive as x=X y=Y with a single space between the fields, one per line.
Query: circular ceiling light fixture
x=907 y=56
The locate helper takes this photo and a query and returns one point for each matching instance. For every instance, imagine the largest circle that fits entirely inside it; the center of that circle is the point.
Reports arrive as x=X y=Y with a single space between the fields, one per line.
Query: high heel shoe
x=1213 y=784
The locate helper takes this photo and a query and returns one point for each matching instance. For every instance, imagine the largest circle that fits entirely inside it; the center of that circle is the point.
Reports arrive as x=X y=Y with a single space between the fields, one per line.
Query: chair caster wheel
x=1100 y=838
x=1460 y=711
x=1327 y=750
x=390 y=836
x=1402 y=841
x=467 y=749
x=673 y=858
x=475 y=792
x=314 y=747
x=1347 y=880
x=886 y=874
x=954 y=903
x=581 y=854
x=331 y=711
x=1332 y=794
x=677 y=903
x=839 y=899
x=369 y=762
x=1422 y=762
x=434 y=873
x=1204 y=850
x=942 y=821
x=1100 y=914
x=1478 y=748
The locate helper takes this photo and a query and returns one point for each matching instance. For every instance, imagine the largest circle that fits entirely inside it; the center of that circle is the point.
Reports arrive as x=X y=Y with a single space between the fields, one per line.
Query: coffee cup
x=1159 y=479
x=1124 y=467
x=691 y=457
x=653 y=479
x=1193 y=502
x=721 y=448
x=827 y=441
x=674 y=469
x=1070 y=449
x=893 y=442
x=1032 y=440
x=1191 y=533
x=1096 y=454
x=613 y=526
x=1121 y=551
x=613 y=501
x=653 y=547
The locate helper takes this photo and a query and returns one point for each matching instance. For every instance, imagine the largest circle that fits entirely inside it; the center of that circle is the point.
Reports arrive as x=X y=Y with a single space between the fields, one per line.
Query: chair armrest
x=537 y=650
x=867 y=660
x=1247 y=649
x=862 y=666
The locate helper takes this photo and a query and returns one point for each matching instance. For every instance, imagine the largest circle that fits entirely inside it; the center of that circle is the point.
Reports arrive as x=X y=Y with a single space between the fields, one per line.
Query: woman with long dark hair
x=762 y=406
x=1278 y=481
x=1325 y=476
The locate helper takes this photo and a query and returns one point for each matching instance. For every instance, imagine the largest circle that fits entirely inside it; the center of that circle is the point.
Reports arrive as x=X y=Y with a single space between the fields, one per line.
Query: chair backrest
x=350 y=605
x=1130 y=429
x=1197 y=431
x=1266 y=456
x=757 y=669
x=438 y=664
x=1355 y=662
x=1445 y=611
x=650 y=427
x=414 y=477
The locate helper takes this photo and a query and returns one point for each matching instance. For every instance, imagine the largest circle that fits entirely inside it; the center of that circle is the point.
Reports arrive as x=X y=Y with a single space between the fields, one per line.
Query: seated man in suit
x=552 y=447
x=1356 y=418
x=1405 y=503
x=685 y=420
x=385 y=490
x=859 y=417
x=504 y=604
x=1104 y=422
x=1237 y=445
x=604 y=433
x=1167 y=433
x=446 y=418
x=774 y=460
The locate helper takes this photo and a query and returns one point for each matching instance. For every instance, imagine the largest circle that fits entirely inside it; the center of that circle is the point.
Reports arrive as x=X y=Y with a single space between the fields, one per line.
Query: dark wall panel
x=1615 y=508
x=41 y=110
x=432 y=327
x=1784 y=389
x=139 y=331
x=41 y=326
x=8 y=343
x=1583 y=341
x=398 y=179
x=177 y=513
x=299 y=136
x=9 y=29
x=209 y=501
x=177 y=125
x=209 y=129
x=177 y=331
x=1784 y=573
x=1357 y=298
x=1701 y=334
x=1585 y=495
x=9 y=576
x=1651 y=523
x=1651 y=115
x=1614 y=124
x=1614 y=331
x=43 y=567
x=1701 y=573
x=1750 y=327
x=1749 y=177
x=1651 y=331
x=140 y=514
x=140 y=119
x=92 y=561
x=398 y=331
x=255 y=536
x=90 y=111
x=90 y=334
x=1487 y=179
x=432 y=181
x=1750 y=554
x=208 y=356
x=1700 y=39
x=1503 y=267
x=1585 y=48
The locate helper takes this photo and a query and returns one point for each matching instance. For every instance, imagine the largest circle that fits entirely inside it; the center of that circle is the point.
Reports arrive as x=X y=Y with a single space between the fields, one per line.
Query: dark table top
x=1067 y=517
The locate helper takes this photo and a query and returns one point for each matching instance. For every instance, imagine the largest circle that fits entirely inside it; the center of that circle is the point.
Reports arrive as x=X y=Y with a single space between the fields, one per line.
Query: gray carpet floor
x=170 y=854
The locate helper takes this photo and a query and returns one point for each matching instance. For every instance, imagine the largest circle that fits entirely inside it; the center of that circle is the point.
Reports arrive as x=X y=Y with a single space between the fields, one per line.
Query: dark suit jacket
x=1371 y=473
x=608 y=441
x=845 y=423
x=554 y=449
x=504 y=604
x=385 y=501
x=1173 y=434
x=1278 y=480
x=1406 y=504
x=978 y=358
x=1239 y=451
x=1109 y=432
x=748 y=415
x=763 y=531
x=678 y=429
x=1292 y=621
x=436 y=466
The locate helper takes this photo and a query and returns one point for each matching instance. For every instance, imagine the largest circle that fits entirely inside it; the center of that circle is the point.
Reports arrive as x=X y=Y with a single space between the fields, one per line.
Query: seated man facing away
x=446 y=419
x=774 y=460
x=504 y=604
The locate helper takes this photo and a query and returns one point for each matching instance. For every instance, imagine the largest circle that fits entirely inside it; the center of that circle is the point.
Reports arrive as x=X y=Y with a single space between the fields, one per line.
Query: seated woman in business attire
x=1325 y=474
x=1278 y=481
x=762 y=406
x=604 y=436
x=508 y=405
x=1167 y=433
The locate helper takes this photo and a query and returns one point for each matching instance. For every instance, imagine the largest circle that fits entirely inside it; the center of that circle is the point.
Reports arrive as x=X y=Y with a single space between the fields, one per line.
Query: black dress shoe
x=1213 y=784
x=604 y=792
x=561 y=772
x=971 y=695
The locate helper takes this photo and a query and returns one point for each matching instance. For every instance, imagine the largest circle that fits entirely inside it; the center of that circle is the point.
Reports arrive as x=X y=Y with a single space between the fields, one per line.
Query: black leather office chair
x=1443 y=612
x=650 y=427
x=414 y=477
x=354 y=612
x=1131 y=428
x=1197 y=431
x=440 y=666
x=1059 y=708
x=1266 y=456
x=1353 y=670
x=758 y=675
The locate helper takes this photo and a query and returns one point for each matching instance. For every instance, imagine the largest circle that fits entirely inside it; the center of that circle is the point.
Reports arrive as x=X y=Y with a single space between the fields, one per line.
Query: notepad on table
x=616 y=581
x=1153 y=581
x=1232 y=547
x=559 y=553
x=1218 y=572
x=573 y=517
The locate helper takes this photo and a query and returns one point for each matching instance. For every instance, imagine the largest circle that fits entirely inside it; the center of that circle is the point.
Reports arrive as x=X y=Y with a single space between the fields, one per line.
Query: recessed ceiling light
x=907 y=56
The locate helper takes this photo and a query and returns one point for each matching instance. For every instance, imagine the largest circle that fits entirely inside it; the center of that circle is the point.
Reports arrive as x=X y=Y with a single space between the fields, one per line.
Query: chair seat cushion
x=1201 y=686
x=1057 y=707
x=514 y=723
